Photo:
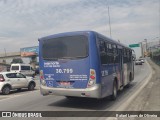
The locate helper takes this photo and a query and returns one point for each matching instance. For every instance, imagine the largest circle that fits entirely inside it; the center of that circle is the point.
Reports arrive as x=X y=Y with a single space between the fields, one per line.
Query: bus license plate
x=64 y=83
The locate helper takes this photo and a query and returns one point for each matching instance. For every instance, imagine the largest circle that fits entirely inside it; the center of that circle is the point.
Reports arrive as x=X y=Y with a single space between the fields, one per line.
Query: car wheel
x=114 y=91
x=31 y=86
x=6 y=90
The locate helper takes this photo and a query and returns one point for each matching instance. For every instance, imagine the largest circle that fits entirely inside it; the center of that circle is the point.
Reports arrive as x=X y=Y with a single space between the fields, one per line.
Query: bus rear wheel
x=114 y=91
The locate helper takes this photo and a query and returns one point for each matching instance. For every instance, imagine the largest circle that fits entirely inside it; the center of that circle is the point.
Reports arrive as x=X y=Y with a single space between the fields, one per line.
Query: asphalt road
x=15 y=93
x=34 y=101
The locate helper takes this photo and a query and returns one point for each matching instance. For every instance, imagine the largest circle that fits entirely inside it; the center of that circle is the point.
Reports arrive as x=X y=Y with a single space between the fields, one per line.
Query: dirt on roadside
x=149 y=98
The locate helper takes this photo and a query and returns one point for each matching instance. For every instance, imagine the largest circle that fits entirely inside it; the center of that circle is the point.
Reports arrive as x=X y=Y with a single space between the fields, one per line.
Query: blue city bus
x=84 y=64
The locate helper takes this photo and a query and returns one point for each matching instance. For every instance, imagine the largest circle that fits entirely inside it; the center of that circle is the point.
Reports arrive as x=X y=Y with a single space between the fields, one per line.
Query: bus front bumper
x=93 y=92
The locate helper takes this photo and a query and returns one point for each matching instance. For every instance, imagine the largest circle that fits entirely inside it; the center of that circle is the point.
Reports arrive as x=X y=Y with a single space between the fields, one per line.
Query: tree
x=17 y=60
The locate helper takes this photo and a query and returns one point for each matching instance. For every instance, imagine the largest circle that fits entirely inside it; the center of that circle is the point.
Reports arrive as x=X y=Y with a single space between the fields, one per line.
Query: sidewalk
x=149 y=98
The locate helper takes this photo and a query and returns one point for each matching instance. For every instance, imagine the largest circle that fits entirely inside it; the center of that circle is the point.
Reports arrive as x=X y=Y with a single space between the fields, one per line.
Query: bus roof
x=65 y=34
x=113 y=41
x=80 y=33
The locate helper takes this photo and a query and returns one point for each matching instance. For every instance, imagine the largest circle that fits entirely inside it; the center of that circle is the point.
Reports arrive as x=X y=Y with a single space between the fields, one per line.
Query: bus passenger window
x=102 y=52
x=110 y=50
x=115 y=51
x=102 y=48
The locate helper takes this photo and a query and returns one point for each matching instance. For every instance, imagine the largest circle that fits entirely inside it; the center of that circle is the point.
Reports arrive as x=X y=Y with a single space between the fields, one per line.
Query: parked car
x=25 y=69
x=13 y=80
x=138 y=62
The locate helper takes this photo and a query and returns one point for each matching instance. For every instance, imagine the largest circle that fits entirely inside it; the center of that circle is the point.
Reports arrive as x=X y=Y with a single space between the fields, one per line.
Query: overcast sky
x=22 y=22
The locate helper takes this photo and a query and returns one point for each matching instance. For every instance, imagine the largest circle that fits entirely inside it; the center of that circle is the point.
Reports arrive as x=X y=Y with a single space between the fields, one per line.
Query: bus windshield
x=68 y=47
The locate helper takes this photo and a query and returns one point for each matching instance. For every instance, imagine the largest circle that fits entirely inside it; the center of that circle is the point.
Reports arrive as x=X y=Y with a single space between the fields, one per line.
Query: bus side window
x=115 y=51
x=110 y=53
x=127 y=54
x=116 y=54
x=130 y=55
x=102 y=52
x=102 y=47
x=124 y=55
x=110 y=50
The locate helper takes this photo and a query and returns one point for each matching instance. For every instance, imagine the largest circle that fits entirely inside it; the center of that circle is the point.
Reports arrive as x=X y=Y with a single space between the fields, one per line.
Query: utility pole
x=109 y=23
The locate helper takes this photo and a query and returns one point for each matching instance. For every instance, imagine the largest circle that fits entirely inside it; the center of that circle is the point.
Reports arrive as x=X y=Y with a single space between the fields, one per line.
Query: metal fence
x=153 y=49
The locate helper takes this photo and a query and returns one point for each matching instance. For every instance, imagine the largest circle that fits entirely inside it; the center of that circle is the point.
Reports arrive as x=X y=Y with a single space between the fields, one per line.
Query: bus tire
x=114 y=91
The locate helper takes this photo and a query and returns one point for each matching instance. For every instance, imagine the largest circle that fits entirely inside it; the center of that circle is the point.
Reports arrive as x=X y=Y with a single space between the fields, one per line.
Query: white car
x=14 y=80
x=138 y=62
x=142 y=60
x=25 y=69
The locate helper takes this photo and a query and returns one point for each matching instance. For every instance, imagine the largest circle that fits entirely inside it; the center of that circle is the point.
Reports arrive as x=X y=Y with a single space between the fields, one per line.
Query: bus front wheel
x=114 y=91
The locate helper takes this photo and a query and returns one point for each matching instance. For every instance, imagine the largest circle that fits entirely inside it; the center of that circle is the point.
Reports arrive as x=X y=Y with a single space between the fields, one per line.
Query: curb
x=126 y=104
x=148 y=78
